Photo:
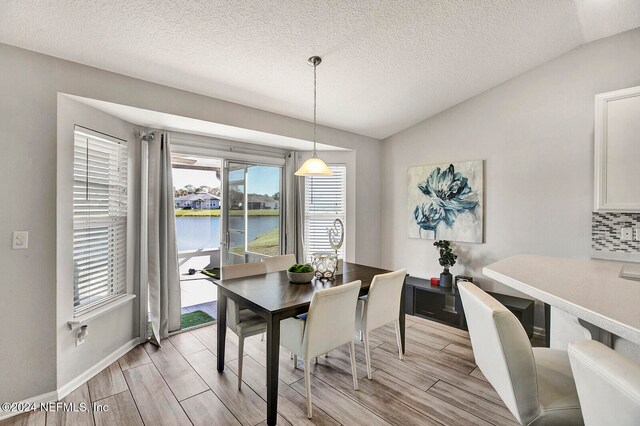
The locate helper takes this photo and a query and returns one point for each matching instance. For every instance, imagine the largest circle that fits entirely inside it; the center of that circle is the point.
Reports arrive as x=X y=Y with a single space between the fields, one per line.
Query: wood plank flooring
x=437 y=383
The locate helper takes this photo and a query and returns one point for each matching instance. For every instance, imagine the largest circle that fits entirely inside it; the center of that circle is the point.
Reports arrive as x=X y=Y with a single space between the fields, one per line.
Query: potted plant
x=447 y=260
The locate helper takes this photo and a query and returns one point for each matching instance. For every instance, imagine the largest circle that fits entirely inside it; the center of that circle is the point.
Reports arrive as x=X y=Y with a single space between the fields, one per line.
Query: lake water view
x=204 y=232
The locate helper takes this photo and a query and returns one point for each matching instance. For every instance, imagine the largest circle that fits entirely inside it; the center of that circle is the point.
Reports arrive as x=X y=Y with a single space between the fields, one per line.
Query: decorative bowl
x=300 y=277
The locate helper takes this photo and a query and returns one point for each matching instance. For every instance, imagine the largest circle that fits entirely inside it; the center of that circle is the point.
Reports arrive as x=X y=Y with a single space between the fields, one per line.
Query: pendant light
x=314 y=166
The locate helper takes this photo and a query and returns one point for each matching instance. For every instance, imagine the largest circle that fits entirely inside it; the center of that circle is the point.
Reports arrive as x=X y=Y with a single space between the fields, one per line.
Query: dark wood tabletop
x=273 y=297
x=273 y=293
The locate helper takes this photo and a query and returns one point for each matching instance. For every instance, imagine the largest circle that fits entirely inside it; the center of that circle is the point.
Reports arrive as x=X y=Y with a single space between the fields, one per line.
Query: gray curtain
x=294 y=211
x=164 y=277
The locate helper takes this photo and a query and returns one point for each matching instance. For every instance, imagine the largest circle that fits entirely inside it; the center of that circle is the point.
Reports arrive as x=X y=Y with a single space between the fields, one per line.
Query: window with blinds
x=99 y=219
x=325 y=200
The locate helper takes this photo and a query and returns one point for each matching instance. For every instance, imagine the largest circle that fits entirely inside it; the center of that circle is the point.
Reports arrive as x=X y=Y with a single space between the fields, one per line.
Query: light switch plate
x=20 y=240
x=626 y=234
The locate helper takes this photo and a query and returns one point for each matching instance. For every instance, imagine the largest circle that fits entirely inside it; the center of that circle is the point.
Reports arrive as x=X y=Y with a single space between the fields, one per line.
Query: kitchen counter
x=602 y=292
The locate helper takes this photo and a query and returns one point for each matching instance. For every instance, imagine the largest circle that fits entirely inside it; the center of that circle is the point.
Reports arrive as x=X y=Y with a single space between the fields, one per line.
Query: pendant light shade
x=314 y=166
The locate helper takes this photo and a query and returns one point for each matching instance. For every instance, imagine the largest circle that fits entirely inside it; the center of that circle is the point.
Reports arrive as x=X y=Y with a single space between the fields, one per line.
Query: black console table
x=443 y=304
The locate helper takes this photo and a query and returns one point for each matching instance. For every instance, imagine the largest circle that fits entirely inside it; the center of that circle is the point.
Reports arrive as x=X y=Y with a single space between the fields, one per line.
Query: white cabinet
x=617 y=151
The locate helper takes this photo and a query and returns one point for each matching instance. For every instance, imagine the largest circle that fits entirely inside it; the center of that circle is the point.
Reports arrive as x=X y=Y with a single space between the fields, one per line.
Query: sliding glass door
x=251 y=219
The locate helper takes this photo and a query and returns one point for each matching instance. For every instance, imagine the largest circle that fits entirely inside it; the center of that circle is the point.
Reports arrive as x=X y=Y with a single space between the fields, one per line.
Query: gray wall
x=29 y=85
x=535 y=133
x=118 y=327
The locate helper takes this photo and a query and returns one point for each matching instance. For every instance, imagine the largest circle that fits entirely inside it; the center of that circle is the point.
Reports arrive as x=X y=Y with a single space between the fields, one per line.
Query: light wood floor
x=437 y=383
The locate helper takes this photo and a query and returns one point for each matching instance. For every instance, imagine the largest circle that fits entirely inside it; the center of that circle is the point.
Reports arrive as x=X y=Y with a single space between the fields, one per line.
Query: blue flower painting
x=445 y=202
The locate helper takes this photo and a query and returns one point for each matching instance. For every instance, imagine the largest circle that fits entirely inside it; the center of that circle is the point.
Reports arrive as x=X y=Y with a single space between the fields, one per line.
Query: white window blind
x=325 y=200
x=99 y=219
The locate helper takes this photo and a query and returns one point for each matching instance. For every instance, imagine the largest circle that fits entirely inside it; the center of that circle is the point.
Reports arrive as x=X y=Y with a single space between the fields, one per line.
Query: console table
x=443 y=304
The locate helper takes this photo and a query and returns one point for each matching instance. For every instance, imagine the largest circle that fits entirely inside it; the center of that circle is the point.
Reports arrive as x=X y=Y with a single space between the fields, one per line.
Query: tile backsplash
x=605 y=233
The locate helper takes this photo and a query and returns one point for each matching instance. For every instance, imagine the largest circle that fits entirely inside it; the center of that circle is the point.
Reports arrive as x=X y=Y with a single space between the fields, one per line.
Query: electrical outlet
x=81 y=335
x=626 y=234
x=19 y=240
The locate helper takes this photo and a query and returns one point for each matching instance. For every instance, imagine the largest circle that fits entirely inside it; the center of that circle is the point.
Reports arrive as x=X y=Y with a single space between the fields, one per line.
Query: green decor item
x=300 y=273
x=447 y=260
x=301 y=268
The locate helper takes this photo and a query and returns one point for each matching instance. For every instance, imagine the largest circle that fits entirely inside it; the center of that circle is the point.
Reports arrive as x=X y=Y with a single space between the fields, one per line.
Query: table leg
x=547 y=325
x=221 y=321
x=402 y=318
x=273 y=360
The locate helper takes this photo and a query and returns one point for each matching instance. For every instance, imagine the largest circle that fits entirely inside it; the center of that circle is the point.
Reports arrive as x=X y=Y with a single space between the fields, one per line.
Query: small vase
x=446 y=279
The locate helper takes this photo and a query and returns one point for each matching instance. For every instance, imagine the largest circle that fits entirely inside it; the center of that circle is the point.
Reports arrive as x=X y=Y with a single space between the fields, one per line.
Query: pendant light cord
x=315 y=84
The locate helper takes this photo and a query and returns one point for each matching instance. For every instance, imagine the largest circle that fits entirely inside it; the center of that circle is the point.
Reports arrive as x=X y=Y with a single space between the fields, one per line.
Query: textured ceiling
x=386 y=64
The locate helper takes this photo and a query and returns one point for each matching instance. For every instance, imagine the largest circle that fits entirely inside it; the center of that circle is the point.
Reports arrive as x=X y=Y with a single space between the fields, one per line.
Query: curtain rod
x=147 y=137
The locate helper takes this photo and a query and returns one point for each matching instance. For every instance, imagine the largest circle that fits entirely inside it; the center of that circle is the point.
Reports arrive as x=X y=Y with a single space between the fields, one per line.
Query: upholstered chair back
x=239 y=270
x=331 y=321
x=608 y=384
x=279 y=263
x=383 y=300
x=502 y=350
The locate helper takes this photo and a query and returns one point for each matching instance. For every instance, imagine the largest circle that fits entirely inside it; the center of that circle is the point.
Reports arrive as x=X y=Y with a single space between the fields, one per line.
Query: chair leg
x=397 y=323
x=360 y=335
x=354 y=370
x=316 y=360
x=240 y=357
x=367 y=355
x=307 y=386
x=295 y=361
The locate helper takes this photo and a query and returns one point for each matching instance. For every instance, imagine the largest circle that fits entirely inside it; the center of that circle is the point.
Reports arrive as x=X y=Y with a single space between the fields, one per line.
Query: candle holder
x=325 y=265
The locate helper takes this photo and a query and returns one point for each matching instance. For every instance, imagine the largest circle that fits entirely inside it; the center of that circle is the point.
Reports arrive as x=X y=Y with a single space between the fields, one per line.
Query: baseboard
x=75 y=383
x=37 y=400
x=79 y=380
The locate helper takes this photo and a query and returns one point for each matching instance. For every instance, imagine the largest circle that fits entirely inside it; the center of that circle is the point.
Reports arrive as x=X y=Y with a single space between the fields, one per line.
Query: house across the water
x=199 y=200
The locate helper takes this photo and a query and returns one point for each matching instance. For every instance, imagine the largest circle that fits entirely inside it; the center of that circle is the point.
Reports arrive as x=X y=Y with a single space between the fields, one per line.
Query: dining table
x=274 y=298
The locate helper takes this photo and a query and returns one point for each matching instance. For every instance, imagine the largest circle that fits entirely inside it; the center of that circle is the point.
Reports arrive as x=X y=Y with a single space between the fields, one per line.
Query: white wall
x=118 y=327
x=535 y=133
x=29 y=85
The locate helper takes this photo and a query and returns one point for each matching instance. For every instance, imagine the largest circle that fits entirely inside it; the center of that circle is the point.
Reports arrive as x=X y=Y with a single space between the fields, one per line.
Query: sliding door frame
x=224 y=223
x=226 y=151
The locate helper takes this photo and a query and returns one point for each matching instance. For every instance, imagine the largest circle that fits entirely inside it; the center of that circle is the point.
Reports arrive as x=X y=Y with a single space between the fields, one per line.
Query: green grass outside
x=267 y=243
x=216 y=213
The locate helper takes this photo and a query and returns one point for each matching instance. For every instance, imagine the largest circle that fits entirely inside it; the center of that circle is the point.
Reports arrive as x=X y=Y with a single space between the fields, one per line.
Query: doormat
x=194 y=318
x=212 y=272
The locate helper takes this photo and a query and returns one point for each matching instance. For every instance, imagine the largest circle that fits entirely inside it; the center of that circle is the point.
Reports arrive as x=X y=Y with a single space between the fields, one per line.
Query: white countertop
x=590 y=289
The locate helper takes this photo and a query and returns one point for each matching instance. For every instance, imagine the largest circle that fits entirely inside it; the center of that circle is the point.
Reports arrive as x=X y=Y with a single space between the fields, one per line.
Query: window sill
x=102 y=310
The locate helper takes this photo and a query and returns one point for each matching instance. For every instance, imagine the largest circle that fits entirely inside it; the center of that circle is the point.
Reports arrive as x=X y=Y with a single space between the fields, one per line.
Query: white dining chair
x=535 y=384
x=380 y=307
x=279 y=263
x=608 y=384
x=329 y=324
x=243 y=322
